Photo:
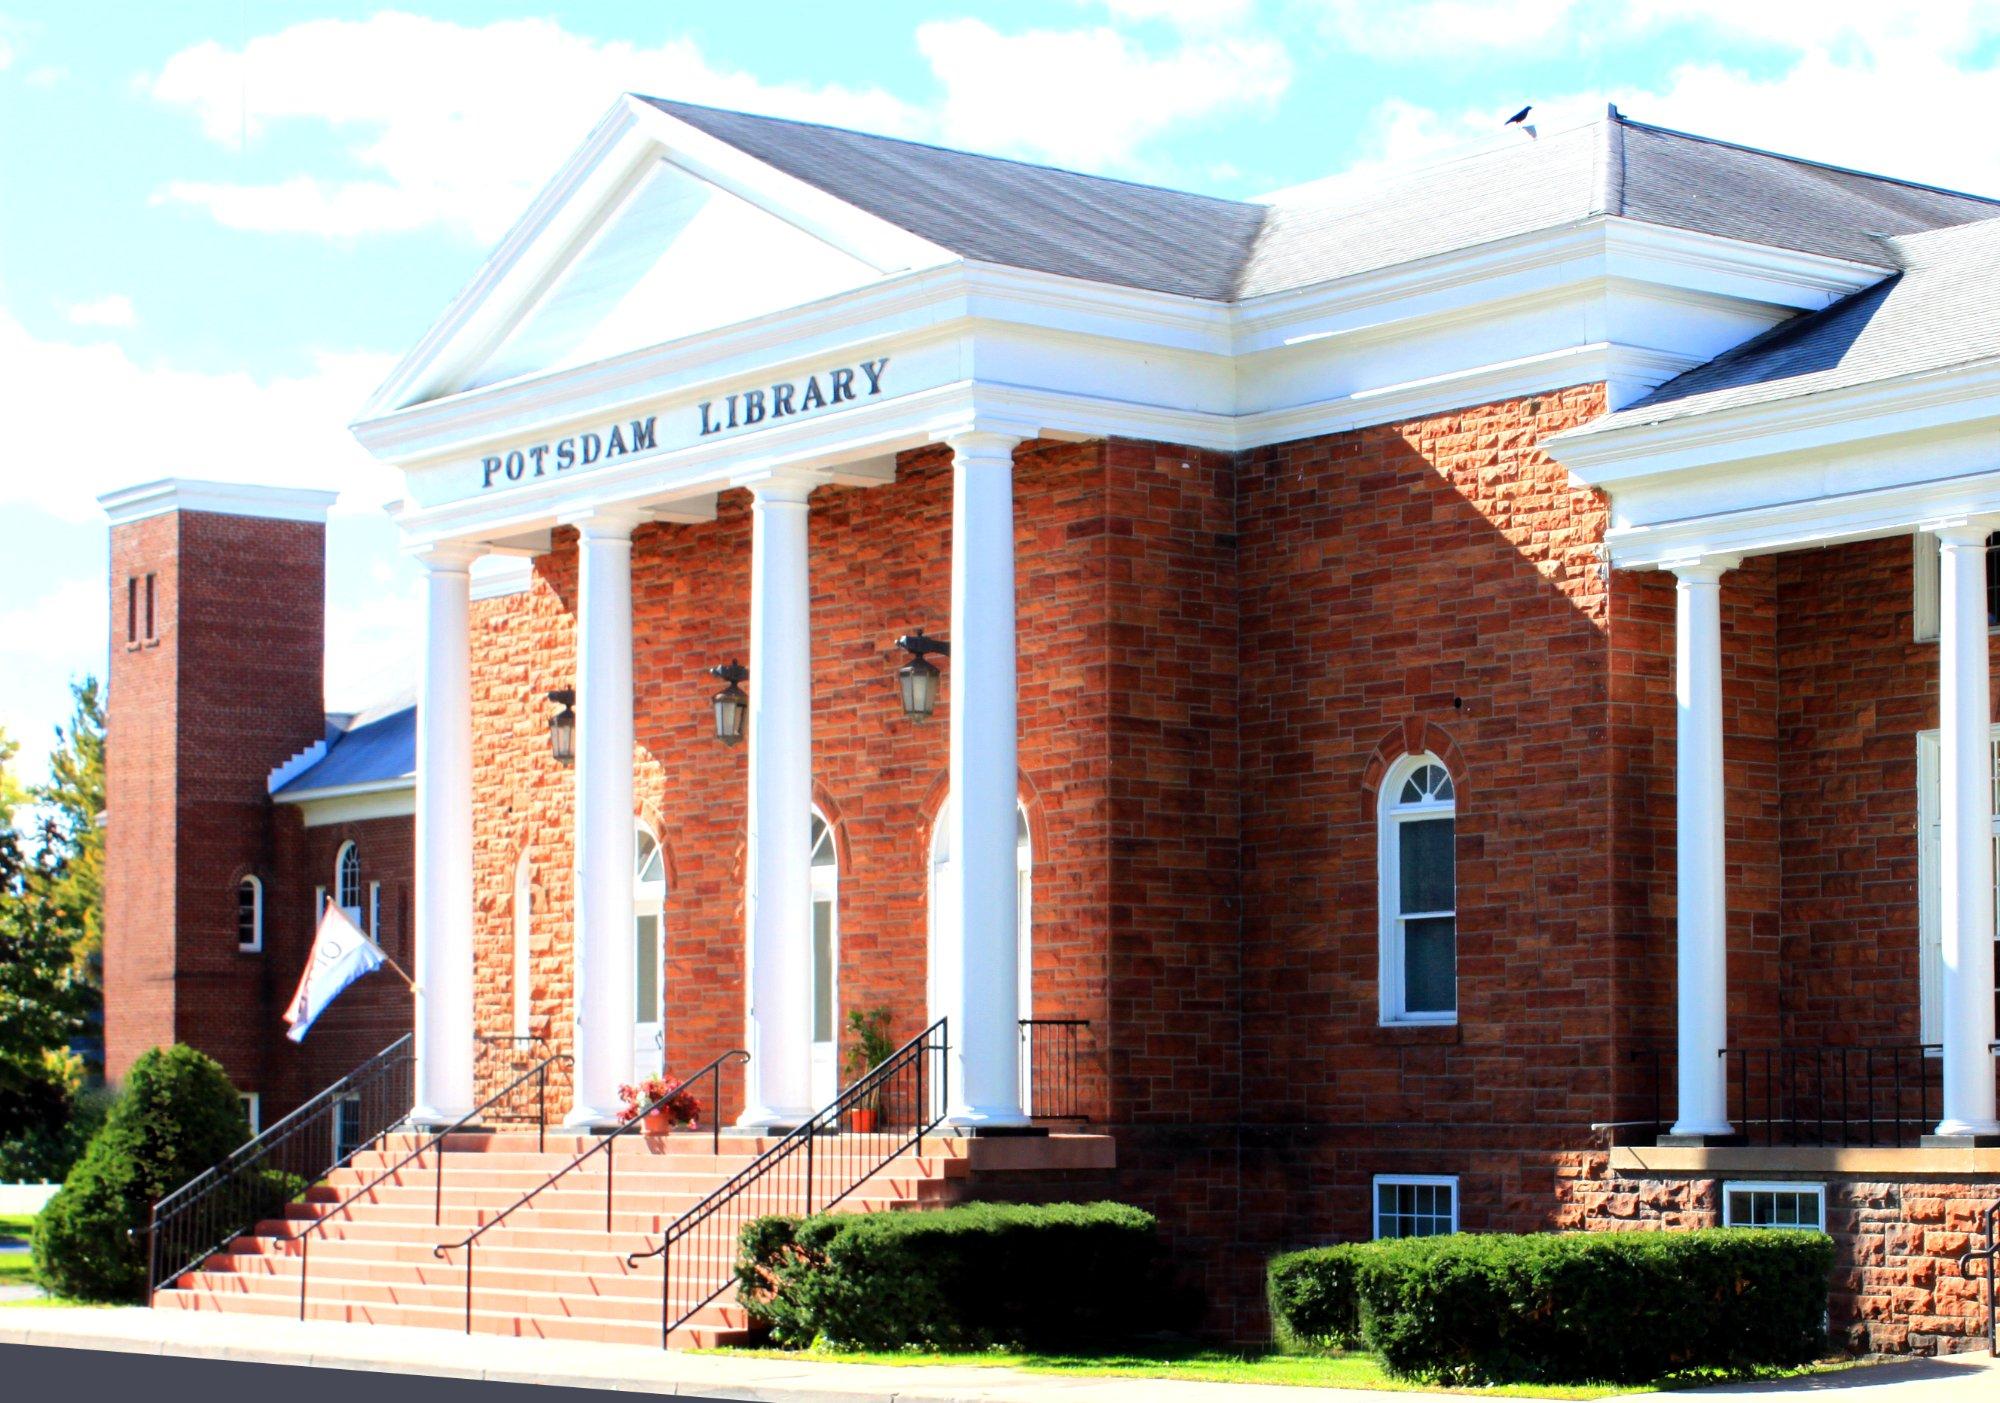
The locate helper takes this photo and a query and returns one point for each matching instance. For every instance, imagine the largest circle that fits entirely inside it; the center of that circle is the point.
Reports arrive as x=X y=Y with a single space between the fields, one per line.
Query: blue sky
x=221 y=221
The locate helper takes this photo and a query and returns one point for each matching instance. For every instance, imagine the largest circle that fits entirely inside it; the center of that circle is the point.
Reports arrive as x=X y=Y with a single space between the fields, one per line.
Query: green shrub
x=1311 y=1294
x=44 y=1154
x=176 y=1115
x=1590 y=1307
x=1045 y=1276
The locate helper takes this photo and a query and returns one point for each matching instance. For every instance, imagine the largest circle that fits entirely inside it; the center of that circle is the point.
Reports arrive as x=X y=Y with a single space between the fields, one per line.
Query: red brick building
x=1467 y=698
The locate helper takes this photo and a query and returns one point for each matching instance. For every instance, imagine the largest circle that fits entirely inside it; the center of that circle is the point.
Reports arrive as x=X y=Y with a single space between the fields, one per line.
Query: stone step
x=515 y=1293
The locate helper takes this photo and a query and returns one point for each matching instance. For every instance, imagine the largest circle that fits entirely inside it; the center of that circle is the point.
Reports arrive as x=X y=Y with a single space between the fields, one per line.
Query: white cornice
x=223 y=498
x=351 y=803
x=1638 y=452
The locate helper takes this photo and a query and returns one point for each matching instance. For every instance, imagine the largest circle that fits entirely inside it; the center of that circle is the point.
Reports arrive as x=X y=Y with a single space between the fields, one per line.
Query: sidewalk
x=629 y=1368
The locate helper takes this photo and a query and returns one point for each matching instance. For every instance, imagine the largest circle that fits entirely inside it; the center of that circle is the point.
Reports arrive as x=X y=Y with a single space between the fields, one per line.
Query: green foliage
x=43 y=1002
x=176 y=1116
x=73 y=799
x=1569 y=1308
x=967 y=1277
x=869 y=1044
x=1311 y=1295
x=45 y=1153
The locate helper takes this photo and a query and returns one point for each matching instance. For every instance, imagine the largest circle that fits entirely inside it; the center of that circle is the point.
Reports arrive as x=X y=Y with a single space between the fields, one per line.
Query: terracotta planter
x=861 y=1120
x=657 y=1122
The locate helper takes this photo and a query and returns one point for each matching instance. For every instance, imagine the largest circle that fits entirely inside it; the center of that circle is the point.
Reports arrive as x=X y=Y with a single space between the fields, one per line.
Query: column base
x=1684 y=1140
x=427 y=1122
x=1953 y=1140
x=586 y=1120
x=759 y=1121
x=969 y=1120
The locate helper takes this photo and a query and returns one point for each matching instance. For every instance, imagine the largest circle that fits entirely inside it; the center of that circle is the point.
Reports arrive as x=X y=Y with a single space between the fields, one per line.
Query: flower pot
x=862 y=1119
x=657 y=1122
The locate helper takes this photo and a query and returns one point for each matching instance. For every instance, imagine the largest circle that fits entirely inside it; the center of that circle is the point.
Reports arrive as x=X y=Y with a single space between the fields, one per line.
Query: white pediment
x=677 y=255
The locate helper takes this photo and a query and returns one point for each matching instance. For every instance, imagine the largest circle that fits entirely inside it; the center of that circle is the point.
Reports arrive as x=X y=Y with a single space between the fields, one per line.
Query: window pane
x=647 y=862
x=646 y=986
x=822 y=971
x=246 y=912
x=1430 y=965
x=1424 y=864
x=1774 y=1208
x=822 y=844
x=1413 y=1210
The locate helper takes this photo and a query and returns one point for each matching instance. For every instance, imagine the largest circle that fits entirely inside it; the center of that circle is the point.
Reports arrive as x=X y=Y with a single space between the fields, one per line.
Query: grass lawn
x=14 y=1266
x=14 y=1227
x=1218 y=1366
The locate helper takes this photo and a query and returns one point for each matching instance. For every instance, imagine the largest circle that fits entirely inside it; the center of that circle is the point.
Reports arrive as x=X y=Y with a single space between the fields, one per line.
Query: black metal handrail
x=540 y=1072
x=1885 y=1096
x=1991 y=1253
x=713 y=1071
x=1051 y=1067
x=220 y=1204
x=907 y=1089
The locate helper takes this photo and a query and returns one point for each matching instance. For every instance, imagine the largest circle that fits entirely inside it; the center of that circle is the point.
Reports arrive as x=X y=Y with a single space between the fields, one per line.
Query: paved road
x=78 y=1345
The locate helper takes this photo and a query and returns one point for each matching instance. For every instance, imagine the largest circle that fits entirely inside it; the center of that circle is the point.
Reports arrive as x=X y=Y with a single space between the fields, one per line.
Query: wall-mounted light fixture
x=731 y=705
x=918 y=678
x=562 y=726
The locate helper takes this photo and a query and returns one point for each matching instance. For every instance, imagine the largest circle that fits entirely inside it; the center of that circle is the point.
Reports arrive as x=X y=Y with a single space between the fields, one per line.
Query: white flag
x=341 y=954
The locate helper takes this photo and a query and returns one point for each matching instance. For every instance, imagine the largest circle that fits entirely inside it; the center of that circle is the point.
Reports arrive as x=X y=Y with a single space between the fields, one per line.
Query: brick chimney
x=218 y=642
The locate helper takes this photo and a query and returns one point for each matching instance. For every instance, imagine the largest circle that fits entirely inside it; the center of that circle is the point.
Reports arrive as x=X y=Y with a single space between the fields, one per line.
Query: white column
x=981 y=982
x=777 y=898
x=444 y=841
x=1703 y=901
x=1966 y=840
x=603 y=995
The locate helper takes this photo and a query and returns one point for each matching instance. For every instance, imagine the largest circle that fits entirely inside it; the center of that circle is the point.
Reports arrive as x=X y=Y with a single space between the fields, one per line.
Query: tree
x=73 y=802
x=44 y=1001
x=12 y=795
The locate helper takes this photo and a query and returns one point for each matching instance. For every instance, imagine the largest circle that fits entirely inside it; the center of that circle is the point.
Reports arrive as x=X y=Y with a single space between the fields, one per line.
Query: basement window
x=1747 y=1205
x=1415 y=1205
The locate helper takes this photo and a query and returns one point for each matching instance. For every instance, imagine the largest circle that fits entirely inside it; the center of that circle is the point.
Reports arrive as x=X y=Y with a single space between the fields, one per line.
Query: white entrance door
x=649 y=905
x=825 y=964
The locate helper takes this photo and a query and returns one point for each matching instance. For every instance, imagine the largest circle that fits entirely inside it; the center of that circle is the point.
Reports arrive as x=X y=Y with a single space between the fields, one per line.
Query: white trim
x=170 y=494
x=341 y=855
x=256 y=943
x=375 y=912
x=253 y=1110
x=1930 y=936
x=513 y=577
x=649 y=899
x=1732 y=1187
x=352 y=805
x=1924 y=566
x=1419 y=1181
x=1390 y=815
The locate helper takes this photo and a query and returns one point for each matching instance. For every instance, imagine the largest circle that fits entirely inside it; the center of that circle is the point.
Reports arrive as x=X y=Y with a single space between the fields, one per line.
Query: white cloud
x=371 y=648
x=1183 y=14
x=112 y=309
x=6 y=53
x=446 y=124
x=88 y=418
x=1087 y=97
x=70 y=619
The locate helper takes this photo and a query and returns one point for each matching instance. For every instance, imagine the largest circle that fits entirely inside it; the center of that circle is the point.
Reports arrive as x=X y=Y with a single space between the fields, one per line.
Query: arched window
x=649 y=901
x=1419 y=893
x=524 y=973
x=1024 y=909
x=250 y=914
x=825 y=962
x=347 y=880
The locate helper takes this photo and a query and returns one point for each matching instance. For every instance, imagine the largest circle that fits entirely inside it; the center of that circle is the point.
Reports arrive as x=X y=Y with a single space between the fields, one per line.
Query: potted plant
x=676 y=1105
x=869 y=1046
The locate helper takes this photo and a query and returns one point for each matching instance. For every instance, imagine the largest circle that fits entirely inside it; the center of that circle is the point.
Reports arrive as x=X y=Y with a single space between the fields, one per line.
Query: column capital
x=787 y=485
x=983 y=444
x=1703 y=569
x=608 y=523
x=1964 y=531
x=447 y=557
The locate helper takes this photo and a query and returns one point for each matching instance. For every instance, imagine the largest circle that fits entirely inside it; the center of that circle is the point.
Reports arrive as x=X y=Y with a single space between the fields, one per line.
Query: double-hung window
x=1418 y=837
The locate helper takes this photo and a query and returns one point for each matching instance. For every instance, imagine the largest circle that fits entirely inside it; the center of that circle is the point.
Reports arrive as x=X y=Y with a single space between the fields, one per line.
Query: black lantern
x=919 y=677
x=731 y=705
x=562 y=725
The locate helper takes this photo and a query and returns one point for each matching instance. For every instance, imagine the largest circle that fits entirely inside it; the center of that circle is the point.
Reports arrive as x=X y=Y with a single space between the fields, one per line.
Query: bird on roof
x=1520 y=119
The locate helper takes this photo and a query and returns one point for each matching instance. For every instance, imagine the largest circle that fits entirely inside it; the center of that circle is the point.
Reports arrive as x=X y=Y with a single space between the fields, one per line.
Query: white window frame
x=347 y=850
x=375 y=912
x=340 y=1152
x=938 y=856
x=650 y=899
x=1418 y=1181
x=1930 y=895
x=1390 y=816
x=253 y=1111
x=255 y=943
x=1732 y=1187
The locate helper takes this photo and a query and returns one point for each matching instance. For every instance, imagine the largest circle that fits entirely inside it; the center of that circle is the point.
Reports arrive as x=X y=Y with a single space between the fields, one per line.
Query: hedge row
x=1043 y=1276
x=1562 y=1308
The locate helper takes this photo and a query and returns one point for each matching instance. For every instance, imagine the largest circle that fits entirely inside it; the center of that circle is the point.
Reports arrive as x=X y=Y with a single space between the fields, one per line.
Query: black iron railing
x=1990 y=1253
x=220 y=1204
x=636 y=1125
x=1052 y=1067
x=1841 y=1097
x=539 y=1074
x=810 y=1170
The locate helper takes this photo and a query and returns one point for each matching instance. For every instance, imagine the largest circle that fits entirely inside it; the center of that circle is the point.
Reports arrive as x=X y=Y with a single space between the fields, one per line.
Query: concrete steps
x=552 y=1270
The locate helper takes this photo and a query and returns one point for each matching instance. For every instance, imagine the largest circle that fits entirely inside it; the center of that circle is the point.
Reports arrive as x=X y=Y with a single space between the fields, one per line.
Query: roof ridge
x=1993 y=200
x=1609 y=197
x=666 y=103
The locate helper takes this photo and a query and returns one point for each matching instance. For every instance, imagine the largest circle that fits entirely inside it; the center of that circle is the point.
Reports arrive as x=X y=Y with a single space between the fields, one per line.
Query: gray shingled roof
x=1113 y=231
x=1940 y=309
x=1007 y=212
